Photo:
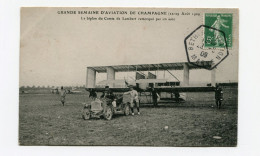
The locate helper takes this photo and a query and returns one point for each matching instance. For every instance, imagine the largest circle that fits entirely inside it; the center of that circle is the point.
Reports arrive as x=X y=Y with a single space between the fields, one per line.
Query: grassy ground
x=44 y=121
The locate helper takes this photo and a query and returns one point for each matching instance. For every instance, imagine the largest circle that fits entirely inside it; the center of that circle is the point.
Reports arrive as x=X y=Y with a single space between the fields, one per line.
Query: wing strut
x=172 y=75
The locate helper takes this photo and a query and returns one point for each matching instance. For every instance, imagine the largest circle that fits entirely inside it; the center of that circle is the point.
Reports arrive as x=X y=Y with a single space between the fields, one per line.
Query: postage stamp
x=219 y=21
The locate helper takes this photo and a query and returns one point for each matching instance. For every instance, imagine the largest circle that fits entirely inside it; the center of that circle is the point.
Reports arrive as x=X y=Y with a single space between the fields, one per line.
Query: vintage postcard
x=129 y=76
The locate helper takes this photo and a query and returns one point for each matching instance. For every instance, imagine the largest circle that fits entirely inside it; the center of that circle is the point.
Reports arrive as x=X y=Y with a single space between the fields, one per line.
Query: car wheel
x=86 y=114
x=108 y=114
x=127 y=110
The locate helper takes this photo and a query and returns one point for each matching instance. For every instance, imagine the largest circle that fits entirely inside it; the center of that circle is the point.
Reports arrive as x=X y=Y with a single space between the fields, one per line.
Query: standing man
x=62 y=95
x=155 y=96
x=133 y=99
x=218 y=96
x=177 y=97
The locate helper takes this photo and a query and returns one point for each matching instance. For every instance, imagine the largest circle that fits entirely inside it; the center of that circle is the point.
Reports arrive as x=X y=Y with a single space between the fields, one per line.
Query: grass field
x=44 y=121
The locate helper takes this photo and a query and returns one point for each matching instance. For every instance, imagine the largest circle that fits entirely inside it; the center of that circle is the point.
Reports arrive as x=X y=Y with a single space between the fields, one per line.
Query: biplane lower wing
x=186 y=89
x=172 y=89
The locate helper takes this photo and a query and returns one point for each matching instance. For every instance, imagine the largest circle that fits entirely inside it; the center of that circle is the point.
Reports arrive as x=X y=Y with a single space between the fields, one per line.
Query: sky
x=56 y=49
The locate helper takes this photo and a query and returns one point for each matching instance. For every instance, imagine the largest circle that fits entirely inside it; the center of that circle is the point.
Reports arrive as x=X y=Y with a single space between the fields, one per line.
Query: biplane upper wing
x=143 y=87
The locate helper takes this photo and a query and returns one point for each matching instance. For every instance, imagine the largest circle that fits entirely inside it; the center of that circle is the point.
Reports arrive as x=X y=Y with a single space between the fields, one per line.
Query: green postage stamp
x=222 y=22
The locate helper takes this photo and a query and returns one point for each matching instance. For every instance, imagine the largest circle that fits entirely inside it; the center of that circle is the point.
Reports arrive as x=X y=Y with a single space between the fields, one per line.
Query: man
x=177 y=97
x=92 y=94
x=62 y=95
x=218 y=96
x=133 y=99
x=107 y=94
x=155 y=96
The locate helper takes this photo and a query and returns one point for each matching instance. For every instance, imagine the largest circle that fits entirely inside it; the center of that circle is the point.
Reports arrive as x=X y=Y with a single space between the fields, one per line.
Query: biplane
x=144 y=82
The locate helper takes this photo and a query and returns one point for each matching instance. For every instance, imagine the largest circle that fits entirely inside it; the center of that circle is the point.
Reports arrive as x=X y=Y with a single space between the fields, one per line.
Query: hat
x=107 y=88
x=130 y=86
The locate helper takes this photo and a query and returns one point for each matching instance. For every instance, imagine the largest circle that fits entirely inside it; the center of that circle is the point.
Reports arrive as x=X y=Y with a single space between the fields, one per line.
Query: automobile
x=106 y=107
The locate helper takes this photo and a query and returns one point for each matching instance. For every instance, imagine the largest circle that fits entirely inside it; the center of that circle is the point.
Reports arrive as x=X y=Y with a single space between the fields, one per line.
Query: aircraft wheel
x=108 y=113
x=86 y=114
x=127 y=109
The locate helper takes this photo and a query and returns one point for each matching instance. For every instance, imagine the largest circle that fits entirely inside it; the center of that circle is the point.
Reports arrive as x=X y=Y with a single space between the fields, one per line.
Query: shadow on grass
x=175 y=105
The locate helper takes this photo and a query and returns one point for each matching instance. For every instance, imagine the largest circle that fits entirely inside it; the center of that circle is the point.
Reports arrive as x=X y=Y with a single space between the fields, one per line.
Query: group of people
x=134 y=100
